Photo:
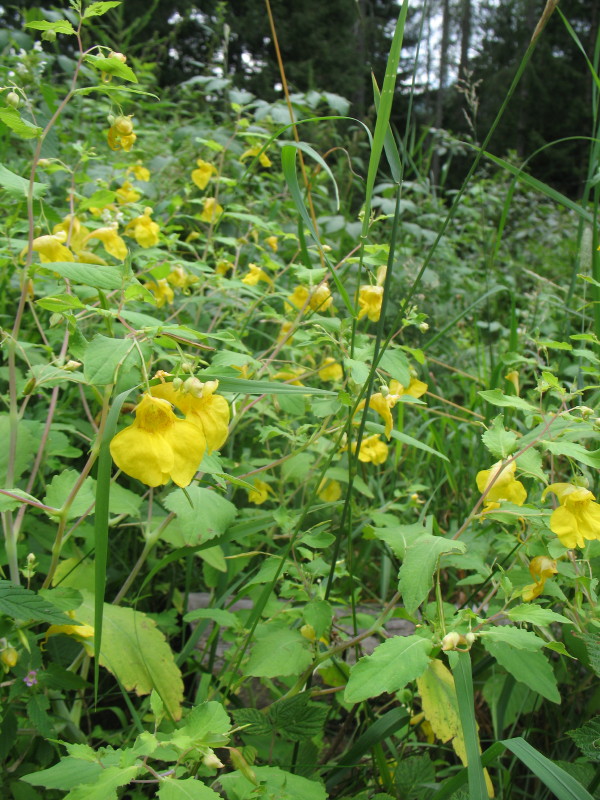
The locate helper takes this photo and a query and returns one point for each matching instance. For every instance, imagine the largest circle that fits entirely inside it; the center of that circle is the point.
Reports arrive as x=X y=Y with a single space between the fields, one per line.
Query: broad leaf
x=277 y=782
x=278 y=652
x=23 y=604
x=500 y=442
x=534 y=614
x=18 y=186
x=201 y=513
x=186 y=789
x=392 y=665
x=530 y=667
x=587 y=738
x=416 y=572
x=61 y=487
x=98 y=276
x=298 y=719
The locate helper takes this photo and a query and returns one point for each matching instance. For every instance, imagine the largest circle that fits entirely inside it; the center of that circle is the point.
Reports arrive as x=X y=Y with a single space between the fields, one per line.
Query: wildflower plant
x=215 y=393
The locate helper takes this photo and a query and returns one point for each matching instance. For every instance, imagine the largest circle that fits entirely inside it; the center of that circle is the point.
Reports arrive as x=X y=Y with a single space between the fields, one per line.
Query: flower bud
x=212 y=760
x=177 y=383
x=193 y=386
x=13 y=99
x=451 y=640
x=308 y=632
x=9 y=657
x=124 y=126
x=120 y=56
x=49 y=36
x=423 y=327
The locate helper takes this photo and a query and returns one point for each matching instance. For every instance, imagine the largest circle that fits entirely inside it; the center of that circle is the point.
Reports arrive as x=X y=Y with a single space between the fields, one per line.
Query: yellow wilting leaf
x=440 y=707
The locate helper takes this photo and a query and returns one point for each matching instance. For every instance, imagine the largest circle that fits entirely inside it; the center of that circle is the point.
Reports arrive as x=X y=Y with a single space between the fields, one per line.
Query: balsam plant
x=250 y=426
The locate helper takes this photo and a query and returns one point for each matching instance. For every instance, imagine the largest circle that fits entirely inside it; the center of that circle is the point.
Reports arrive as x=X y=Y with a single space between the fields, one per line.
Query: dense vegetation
x=299 y=432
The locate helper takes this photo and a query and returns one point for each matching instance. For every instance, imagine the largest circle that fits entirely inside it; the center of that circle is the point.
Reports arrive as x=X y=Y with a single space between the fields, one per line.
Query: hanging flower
x=320 y=298
x=111 y=240
x=50 y=248
x=260 y=493
x=505 y=487
x=383 y=404
x=223 y=267
x=211 y=210
x=369 y=300
x=577 y=518
x=253 y=151
x=121 y=135
x=208 y=411
x=372 y=450
x=331 y=370
x=254 y=275
x=140 y=173
x=271 y=241
x=143 y=229
x=127 y=193
x=71 y=224
x=415 y=388
x=541 y=568
x=298 y=298
x=203 y=174
x=161 y=291
x=181 y=279
x=329 y=490
x=158 y=446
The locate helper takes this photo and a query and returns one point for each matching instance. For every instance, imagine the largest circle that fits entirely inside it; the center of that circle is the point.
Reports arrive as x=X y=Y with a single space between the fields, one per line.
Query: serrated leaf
x=98 y=276
x=60 y=26
x=298 y=719
x=420 y=560
x=497 y=398
x=136 y=652
x=60 y=488
x=276 y=782
x=526 y=666
x=207 y=724
x=223 y=618
x=392 y=665
x=587 y=738
x=278 y=652
x=530 y=463
x=253 y=721
x=500 y=442
x=534 y=614
x=67 y=774
x=573 y=450
x=112 y=66
x=97 y=9
x=412 y=774
x=592 y=645
x=319 y=614
x=23 y=604
x=106 y=784
x=396 y=363
x=13 y=120
x=60 y=302
x=103 y=356
x=201 y=515
x=515 y=637
x=18 y=186
x=9 y=503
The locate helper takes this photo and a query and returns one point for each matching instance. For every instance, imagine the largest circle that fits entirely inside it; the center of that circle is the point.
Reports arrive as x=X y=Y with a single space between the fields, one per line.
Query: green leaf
x=530 y=463
x=399 y=537
x=392 y=665
x=412 y=774
x=242 y=386
x=123 y=501
x=185 y=789
x=135 y=651
x=319 y=614
x=592 y=645
x=587 y=738
x=374 y=427
x=278 y=784
x=463 y=680
x=98 y=276
x=535 y=614
x=496 y=398
x=67 y=774
x=13 y=120
x=61 y=486
x=298 y=719
x=97 y=9
x=104 y=356
x=277 y=652
x=526 y=666
x=500 y=442
x=8 y=503
x=206 y=725
x=556 y=779
x=60 y=26
x=396 y=363
x=416 y=572
x=576 y=451
x=515 y=637
x=18 y=186
x=201 y=515
x=23 y=604
x=112 y=66
x=100 y=198
x=223 y=618
x=105 y=786
x=26 y=448
x=59 y=303
x=255 y=723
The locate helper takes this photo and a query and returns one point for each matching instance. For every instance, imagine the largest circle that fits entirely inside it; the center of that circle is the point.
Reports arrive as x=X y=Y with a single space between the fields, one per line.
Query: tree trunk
x=442 y=80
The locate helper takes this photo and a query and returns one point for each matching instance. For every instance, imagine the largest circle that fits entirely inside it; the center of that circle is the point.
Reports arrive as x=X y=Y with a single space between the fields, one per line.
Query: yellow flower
x=140 y=173
x=111 y=240
x=254 y=275
x=284 y=333
x=253 y=151
x=505 y=487
x=161 y=291
x=320 y=298
x=260 y=493
x=383 y=404
x=541 y=568
x=211 y=210
x=203 y=174
x=127 y=193
x=158 y=446
x=329 y=490
x=577 y=518
x=272 y=242
x=299 y=297
x=513 y=377
x=223 y=267
x=143 y=229
x=369 y=300
x=331 y=370
x=290 y=375
x=78 y=232
x=415 y=388
x=121 y=135
x=208 y=411
x=180 y=278
x=50 y=248
x=372 y=450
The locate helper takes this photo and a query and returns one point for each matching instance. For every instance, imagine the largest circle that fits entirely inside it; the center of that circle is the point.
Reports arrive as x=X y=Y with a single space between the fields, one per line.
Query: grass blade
x=461 y=669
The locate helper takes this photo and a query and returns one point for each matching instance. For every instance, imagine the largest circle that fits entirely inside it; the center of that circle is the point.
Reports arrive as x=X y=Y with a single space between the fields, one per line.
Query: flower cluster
x=121 y=135
x=159 y=446
x=318 y=298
